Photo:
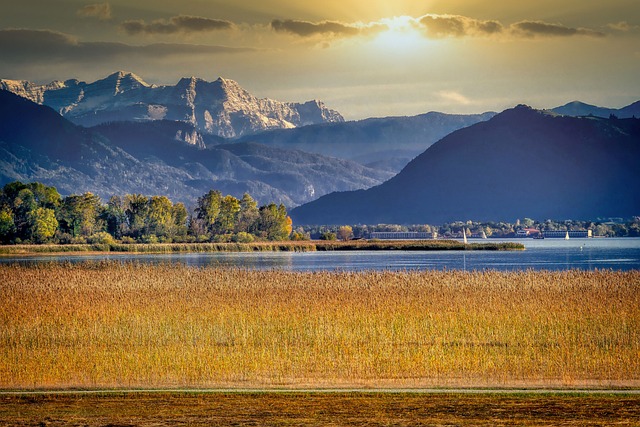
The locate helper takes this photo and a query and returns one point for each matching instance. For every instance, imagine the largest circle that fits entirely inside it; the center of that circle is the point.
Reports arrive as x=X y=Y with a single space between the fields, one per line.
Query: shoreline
x=286 y=246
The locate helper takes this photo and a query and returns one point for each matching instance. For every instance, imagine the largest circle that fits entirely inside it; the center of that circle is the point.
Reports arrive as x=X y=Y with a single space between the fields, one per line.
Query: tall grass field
x=125 y=325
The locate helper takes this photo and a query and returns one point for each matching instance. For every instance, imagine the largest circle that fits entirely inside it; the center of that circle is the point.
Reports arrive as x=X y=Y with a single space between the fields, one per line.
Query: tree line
x=36 y=213
x=605 y=228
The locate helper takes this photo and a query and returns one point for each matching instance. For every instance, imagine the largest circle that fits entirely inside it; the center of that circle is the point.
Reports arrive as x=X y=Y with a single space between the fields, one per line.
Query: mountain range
x=577 y=108
x=387 y=143
x=521 y=163
x=160 y=157
x=121 y=135
x=221 y=107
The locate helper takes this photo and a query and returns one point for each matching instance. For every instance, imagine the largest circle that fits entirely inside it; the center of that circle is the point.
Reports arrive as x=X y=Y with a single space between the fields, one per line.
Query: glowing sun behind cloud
x=401 y=36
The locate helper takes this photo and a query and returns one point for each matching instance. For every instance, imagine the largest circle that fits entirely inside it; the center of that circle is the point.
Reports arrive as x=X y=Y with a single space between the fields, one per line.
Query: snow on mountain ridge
x=221 y=107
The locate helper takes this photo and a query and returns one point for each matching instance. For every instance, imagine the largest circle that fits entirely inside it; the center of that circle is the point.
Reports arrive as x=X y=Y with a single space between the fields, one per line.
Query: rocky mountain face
x=160 y=157
x=577 y=108
x=384 y=143
x=521 y=163
x=221 y=107
x=289 y=176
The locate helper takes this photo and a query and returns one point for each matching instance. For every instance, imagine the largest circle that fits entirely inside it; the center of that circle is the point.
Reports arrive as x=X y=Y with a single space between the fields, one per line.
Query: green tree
x=180 y=215
x=42 y=224
x=79 y=214
x=21 y=199
x=136 y=210
x=208 y=209
x=228 y=215
x=46 y=197
x=115 y=218
x=299 y=235
x=23 y=204
x=160 y=217
x=248 y=214
x=328 y=235
x=7 y=225
x=10 y=192
x=243 y=237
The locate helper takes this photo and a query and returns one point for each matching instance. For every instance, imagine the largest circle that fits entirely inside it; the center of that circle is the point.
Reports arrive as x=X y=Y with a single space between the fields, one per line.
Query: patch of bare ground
x=318 y=409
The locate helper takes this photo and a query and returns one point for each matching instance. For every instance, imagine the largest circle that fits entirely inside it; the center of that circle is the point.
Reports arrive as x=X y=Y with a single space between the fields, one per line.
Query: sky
x=364 y=58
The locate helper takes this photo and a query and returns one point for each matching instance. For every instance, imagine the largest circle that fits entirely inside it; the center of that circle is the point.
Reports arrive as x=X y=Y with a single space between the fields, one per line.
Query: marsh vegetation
x=123 y=325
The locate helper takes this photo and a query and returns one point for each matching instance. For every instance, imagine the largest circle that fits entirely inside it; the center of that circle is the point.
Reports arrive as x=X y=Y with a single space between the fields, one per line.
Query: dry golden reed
x=129 y=325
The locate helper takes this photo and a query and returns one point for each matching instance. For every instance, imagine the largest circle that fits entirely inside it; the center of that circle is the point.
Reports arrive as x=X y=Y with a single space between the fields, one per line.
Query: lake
x=547 y=254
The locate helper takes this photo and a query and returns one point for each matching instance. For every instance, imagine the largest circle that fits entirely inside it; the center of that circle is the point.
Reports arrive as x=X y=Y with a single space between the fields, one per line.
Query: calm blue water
x=547 y=254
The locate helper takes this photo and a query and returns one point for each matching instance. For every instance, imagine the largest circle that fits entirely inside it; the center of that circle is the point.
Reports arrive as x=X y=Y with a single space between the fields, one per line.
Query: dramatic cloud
x=40 y=46
x=176 y=24
x=543 y=29
x=438 y=26
x=18 y=44
x=101 y=11
x=330 y=28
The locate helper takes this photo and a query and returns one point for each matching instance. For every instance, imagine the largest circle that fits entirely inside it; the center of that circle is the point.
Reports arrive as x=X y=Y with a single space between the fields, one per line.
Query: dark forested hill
x=521 y=163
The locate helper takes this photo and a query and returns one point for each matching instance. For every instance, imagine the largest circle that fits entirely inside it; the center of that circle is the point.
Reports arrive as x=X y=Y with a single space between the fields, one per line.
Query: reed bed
x=285 y=246
x=125 y=325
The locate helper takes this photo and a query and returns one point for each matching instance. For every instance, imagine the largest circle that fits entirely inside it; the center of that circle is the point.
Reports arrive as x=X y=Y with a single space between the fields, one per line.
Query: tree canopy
x=36 y=213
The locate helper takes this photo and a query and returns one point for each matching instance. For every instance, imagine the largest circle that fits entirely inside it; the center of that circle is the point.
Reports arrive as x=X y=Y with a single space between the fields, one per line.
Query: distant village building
x=528 y=232
x=402 y=235
x=556 y=234
x=577 y=234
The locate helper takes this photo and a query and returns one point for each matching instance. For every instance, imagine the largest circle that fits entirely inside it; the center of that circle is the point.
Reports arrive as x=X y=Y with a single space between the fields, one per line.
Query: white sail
x=464 y=236
x=566 y=237
x=484 y=235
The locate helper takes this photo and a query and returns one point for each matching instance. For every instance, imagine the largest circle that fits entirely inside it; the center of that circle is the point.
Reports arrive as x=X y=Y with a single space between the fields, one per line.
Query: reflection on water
x=548 y=254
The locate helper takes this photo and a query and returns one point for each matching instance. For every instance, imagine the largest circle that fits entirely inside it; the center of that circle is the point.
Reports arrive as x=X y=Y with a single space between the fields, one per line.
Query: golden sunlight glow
x=402 y=35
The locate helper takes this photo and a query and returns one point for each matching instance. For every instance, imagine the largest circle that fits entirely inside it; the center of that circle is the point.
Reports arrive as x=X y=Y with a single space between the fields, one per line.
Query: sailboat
x=566 y=237
x=484 y=235
x=464 y=236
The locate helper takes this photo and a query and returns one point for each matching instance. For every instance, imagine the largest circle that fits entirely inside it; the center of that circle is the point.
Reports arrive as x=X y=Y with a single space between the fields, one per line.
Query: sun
x=402 y=34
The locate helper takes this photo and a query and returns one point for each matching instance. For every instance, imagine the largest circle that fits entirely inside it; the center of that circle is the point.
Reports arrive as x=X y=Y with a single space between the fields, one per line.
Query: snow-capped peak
x=221 y=107
x=122 y=81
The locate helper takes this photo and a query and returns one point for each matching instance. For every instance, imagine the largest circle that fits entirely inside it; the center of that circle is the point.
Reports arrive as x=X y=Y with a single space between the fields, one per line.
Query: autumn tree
x=273 y=223
x=345 y=232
